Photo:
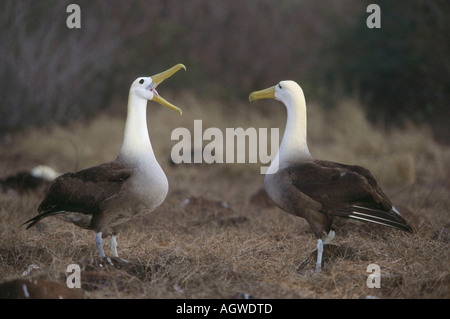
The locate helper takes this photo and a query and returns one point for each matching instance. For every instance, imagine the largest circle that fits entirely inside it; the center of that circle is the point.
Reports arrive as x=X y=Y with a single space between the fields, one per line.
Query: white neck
x=136 y=146
x=294 y=147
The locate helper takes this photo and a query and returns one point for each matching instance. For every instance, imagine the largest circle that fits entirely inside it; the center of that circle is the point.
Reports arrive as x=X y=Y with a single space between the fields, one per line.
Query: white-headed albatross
x=319 y=190
x=103 y=197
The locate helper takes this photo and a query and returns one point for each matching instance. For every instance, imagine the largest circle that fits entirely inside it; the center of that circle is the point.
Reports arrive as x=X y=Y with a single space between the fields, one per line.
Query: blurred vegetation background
x=52 y=74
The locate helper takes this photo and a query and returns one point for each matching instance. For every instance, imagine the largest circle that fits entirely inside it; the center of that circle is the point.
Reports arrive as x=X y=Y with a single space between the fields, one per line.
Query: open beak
x=159 y=78
x=263 y=94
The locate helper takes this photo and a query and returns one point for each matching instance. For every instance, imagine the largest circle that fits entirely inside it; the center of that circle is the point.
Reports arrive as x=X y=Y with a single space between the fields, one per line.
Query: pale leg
x=98 y=242
x=320 y=244
x=319 y=249
x=319 y=255
x=114 y=246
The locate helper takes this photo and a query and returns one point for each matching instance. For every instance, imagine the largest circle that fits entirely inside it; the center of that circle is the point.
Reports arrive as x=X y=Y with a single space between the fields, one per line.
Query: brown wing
x=337 y=185
x=83 y=191
x=347 y=191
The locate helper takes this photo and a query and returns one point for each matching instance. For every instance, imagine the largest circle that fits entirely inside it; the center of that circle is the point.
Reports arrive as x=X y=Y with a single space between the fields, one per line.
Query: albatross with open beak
x=104 y=197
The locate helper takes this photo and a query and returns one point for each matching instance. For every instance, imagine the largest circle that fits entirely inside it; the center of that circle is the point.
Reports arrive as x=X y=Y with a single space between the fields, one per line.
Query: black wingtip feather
x=36 y=219
x=387 y=218
x=377 y=216
x=32 y=221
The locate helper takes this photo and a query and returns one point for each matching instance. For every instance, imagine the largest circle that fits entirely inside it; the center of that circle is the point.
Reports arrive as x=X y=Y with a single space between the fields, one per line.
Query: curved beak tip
x=159 y=78
x=268 y=93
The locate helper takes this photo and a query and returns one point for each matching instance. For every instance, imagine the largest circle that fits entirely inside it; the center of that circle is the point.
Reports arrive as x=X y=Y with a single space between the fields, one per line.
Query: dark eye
x=141 y=81
x=279 y=85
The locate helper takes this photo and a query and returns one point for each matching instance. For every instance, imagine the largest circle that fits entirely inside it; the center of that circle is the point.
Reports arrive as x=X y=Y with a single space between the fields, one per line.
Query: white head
x=145 y=87
x=288 y=92
x=294 y=145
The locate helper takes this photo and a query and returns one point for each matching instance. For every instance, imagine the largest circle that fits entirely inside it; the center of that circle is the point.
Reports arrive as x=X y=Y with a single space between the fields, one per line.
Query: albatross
x=320 y=190
x=104 y=197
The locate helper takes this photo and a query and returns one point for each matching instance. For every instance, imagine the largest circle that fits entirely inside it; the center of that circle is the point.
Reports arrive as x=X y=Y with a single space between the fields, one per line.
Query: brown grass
x=203 y=249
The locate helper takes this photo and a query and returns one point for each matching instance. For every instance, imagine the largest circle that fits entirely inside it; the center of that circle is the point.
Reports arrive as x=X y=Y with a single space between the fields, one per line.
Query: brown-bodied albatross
x=319 y=190
x=102 y=198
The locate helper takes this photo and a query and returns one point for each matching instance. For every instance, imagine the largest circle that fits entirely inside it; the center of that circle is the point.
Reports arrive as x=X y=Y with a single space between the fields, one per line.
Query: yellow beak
x=159 y=99
x=159 y=78
x=263 y=94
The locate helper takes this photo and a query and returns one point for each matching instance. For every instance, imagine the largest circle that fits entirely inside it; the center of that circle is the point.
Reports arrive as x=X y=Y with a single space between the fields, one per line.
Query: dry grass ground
x=203 y=248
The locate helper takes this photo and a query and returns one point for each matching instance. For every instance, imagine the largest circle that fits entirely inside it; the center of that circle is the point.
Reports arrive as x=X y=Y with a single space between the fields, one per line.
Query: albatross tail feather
x=36 y=219
x=377 y=216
